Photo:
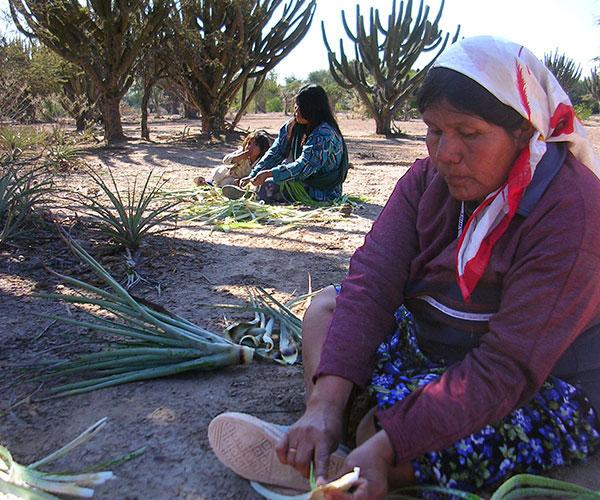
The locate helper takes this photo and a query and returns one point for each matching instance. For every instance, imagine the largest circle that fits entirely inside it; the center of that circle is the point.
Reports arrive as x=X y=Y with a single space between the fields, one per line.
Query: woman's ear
x=523 y=134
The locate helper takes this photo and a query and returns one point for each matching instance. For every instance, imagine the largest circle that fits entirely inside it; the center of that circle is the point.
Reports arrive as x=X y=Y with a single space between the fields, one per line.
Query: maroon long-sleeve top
x=540 y=292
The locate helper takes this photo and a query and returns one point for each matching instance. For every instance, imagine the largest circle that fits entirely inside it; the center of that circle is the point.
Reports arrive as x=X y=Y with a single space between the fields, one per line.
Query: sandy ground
x=194 y=266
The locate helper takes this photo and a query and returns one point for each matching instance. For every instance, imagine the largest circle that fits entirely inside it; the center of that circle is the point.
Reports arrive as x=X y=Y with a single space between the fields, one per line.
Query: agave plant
x=126 y=220
x=14 y=141
x=62 y=155
x=19 y=195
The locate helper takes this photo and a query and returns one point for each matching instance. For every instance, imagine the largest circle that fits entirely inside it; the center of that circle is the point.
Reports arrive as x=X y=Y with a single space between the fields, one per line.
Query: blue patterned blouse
x=322 y=152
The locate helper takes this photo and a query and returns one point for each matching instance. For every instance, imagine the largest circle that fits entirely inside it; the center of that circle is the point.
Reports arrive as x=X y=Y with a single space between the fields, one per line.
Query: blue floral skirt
x=557 y=427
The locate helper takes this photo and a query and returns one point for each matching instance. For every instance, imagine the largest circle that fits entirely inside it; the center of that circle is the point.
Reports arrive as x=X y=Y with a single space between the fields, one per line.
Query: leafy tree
x=566 y=71
x=288 y=93
x=339 y=97
x=265 y=99
x=36 y=73
x=102 y=37
x=230 y=45
x=45 y=72
x=15 y=96
x=380 y=72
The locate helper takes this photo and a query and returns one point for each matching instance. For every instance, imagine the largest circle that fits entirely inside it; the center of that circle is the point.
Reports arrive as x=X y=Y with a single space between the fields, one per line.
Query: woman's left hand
x=260 y=178
x=375 y=458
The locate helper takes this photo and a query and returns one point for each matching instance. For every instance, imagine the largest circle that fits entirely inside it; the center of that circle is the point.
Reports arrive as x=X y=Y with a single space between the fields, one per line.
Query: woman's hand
x=375 y=457
x=319 y=431
x=315 y=436
x=260 y=178
x=244 y=180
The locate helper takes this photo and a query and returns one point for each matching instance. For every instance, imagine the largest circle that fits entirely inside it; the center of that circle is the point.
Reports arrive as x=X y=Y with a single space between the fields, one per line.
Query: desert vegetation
x=127 y=291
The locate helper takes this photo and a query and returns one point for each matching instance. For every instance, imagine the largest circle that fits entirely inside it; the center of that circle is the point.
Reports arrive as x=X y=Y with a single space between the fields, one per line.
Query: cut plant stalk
x=519 y=486
x=146 y=340
x=275 y=332
x=29 y=482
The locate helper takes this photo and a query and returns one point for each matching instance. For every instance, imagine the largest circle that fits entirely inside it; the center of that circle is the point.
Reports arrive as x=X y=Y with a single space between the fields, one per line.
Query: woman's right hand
x=317 y=434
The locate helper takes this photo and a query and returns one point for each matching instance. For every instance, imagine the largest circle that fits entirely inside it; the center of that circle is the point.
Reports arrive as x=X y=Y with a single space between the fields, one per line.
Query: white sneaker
x=246 y=445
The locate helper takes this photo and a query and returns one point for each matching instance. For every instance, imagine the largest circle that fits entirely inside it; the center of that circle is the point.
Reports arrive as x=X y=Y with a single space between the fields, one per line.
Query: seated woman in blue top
x=309 y=149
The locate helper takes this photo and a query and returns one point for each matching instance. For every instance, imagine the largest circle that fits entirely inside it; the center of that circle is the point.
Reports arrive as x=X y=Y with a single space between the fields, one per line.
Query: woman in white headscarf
x=472 y=310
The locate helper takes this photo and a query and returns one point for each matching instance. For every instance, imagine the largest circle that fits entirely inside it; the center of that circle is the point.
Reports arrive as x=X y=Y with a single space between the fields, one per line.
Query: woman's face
x=298 y=116
x=473 y=155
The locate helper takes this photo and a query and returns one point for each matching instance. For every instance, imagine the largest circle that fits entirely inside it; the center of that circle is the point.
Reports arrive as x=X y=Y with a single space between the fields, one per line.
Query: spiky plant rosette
x=29 y=482
x=128 y=218
x=145 y=341
x=20 y=194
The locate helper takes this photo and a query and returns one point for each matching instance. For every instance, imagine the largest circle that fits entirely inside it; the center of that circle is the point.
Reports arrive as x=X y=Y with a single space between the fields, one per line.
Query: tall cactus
x=227 y=45
x=381 y=71
x=592 y=84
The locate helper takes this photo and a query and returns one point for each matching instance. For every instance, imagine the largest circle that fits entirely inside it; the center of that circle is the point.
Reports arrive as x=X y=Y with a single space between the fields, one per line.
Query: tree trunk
x=144 y=108
x=213 y=123
x=383 y=123
x=80 y=123
x=111 y=116
x=189 y=112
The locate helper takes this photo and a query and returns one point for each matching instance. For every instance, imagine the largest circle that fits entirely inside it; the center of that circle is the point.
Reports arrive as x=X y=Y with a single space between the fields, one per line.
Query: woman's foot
x=246 y=445
x=233 y=192
x=200 y=181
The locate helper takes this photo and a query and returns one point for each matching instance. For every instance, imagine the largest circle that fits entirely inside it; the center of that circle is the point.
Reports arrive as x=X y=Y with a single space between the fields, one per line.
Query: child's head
x=257 y=143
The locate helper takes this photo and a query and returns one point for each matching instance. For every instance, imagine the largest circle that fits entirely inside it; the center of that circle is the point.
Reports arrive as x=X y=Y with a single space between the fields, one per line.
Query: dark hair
x=314 y=107
x=262 y=139
x=466 y=95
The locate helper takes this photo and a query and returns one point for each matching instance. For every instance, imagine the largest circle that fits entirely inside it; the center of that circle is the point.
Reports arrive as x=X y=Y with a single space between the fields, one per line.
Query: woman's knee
x=322 y=304
x=318 y=316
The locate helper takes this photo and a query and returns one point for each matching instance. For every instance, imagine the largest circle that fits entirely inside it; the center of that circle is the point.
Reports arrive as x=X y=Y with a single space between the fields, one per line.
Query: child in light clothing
x=238 y=164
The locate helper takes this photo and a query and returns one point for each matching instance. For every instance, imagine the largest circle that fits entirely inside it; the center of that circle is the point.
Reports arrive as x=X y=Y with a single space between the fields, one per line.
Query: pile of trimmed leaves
x=28 y=481
x=519 y=486
x=209 y=207
x=146 y=341
x=275 y=333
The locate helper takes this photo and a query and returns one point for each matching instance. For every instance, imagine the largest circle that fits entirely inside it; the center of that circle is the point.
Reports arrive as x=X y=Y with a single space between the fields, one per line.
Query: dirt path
x=194 y=266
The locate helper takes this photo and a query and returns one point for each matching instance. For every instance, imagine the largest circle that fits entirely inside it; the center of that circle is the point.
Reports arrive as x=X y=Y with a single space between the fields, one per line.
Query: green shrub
x=50 y=108
x=583 y=110
x=274 y=105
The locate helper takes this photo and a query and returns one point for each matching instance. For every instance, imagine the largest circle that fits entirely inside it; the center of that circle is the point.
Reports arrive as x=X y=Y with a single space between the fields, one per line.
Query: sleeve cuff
x=281 y=174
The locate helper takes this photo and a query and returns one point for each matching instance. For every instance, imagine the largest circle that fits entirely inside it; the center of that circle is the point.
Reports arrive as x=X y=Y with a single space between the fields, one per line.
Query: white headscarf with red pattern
x=518 y=79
